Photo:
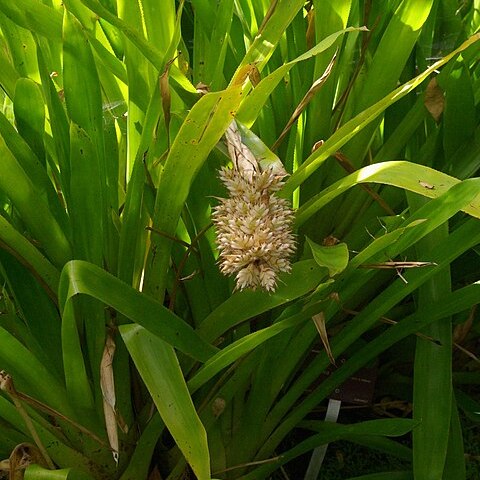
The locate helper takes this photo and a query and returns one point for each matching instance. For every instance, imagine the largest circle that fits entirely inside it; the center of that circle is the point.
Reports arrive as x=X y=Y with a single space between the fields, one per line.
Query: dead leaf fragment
x=319 y=321
x=107 y=385
x=434 y=100
x=218 y=406
x=22 y=456
x=306 y=100
x=463 y=329
x=426 y=185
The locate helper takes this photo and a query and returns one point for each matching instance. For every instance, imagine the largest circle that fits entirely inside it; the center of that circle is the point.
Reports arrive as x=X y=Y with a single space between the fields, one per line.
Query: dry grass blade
x=250 y=464
x=6 y=385
x=305 y=101
x=397 y=265
x=349 y=168
x=389 y=321
x=48 y=410
x=319 y=321
x=170 y=237
x=107 y=385
x=181 y=266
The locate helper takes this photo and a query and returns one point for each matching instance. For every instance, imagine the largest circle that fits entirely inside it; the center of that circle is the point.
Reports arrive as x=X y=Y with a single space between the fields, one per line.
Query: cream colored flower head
x=254 y=227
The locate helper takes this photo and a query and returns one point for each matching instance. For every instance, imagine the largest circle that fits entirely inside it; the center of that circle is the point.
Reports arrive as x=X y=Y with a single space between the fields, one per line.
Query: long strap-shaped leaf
x=432 y=383
x=352 y=127
x=79 y=277
x=15 y=243
x=409 y=176
x=164 y=379
x=17 y=185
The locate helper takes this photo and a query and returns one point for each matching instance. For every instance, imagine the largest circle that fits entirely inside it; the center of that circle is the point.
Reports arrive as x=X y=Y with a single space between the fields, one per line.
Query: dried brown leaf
x=434 y=100
x=461 y=331
x=319 y=321
x=107 y=385
x=305 y=101
x=243 y=159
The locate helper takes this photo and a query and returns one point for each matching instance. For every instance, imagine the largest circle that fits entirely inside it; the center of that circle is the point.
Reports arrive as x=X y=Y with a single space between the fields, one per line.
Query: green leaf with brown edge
x=459 y=241
x=61 y=453
x=30 y=376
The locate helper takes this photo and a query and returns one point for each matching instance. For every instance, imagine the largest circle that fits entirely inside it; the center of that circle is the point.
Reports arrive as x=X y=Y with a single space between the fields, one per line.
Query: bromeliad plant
x=126 y=354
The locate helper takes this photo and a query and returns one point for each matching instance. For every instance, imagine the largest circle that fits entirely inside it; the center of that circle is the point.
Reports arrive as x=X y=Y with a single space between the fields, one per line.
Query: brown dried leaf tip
x=254 y=227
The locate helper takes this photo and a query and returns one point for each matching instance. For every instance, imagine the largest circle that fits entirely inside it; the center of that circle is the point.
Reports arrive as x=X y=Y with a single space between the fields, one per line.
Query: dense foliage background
x=124 y=351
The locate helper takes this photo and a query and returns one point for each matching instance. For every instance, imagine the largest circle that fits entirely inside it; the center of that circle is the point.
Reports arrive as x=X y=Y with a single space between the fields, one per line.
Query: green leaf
x=79 y=277
x=35 y=16
x=201 y=130
x=24 y=194
x=331 y=432
x=81 y=83
x=15 y=243
x=250 y=109
x=159 y=369
x=432 y=388
x=57 y=117
x=29 y=109
x=38 y=319
x=245 y=344
x=459 y=115
x=455 y=461
x=33 y=165
x=385 y=476
x=279 y=17
x=305 y=276
x=8 y=75
x=21 y=47
x=139 y=464
x=409 y=176
x=85 y=197
x=334 y=257
x=36 y=472
x=79 y=389
x=30 y=376
x=353 y=126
